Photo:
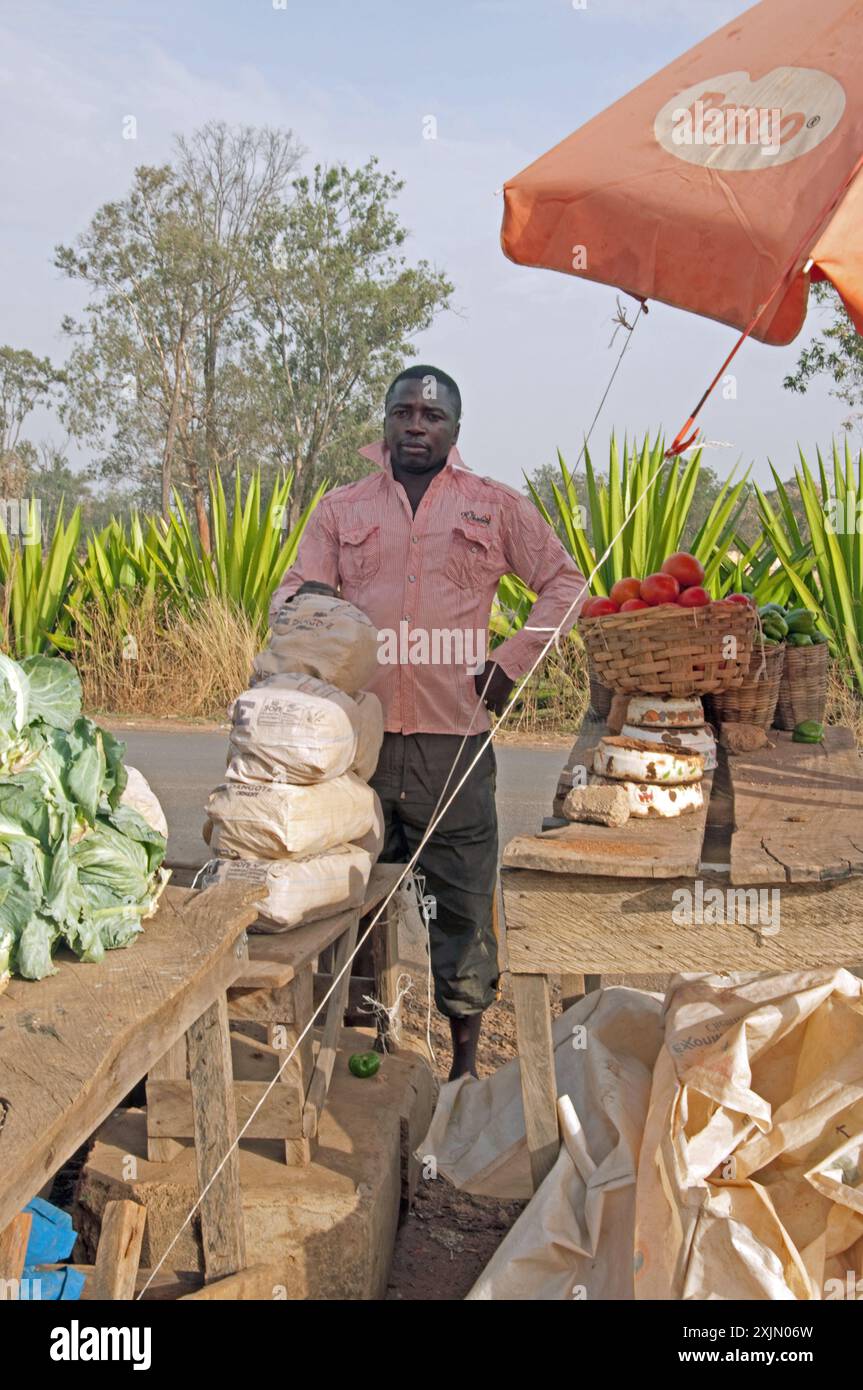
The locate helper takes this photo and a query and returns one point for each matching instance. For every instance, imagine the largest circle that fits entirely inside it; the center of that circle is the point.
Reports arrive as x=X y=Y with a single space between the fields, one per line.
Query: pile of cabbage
x=77 y=866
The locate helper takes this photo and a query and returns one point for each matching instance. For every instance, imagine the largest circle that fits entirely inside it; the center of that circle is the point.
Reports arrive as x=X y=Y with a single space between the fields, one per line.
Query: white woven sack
x=323 y=637
x=298 y=890
x=370 y=733
x=292 y=728
x=373 y=840
x=268 y=820
x=140 y=796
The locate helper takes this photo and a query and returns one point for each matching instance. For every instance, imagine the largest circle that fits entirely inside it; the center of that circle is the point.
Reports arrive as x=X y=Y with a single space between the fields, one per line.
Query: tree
x=25 y=382
x=837 y=354
x=230 y=180
x=335 y=304
x=130 y=387
x=157 y=350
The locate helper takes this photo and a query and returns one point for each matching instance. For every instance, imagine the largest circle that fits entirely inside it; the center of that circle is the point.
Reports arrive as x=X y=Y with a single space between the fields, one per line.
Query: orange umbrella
x=722 y=184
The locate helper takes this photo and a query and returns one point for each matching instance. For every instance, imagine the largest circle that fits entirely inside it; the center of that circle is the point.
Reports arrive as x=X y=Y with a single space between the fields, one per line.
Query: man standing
x=420 y=546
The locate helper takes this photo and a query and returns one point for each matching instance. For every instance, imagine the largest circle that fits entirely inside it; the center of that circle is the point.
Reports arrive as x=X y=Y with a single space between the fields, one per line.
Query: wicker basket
x=754 y=701
x=670 y=650
x=600 y=695
x=803 y=688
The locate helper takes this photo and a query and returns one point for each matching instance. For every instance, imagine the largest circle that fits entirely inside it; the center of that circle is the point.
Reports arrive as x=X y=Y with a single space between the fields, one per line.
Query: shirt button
x=401 y=796
x=412 y=578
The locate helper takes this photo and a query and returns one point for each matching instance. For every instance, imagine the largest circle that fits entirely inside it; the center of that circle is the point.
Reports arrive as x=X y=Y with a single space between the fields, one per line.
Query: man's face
x=420 y=425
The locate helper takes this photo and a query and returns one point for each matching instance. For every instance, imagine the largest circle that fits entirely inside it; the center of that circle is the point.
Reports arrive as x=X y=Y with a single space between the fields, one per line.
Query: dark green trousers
x=459 y=861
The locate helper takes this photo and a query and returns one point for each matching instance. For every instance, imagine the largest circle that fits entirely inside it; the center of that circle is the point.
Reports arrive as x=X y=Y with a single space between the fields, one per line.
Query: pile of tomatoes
x=680 y=581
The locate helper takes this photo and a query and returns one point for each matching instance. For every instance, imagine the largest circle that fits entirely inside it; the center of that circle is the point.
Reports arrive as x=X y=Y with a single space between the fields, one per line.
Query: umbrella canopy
x=714 y=184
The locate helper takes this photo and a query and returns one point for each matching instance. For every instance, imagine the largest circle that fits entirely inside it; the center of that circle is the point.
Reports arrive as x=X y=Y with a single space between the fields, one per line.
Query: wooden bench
x=582 y=901
x=270 y=1003
x=72 y=1047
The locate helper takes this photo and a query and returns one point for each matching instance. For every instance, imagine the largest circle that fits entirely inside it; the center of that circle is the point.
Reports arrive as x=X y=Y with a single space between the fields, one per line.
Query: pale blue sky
x=504 y=79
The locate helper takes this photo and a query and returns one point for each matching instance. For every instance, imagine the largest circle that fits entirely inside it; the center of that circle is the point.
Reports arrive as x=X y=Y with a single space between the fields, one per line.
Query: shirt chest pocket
x=360 y=553
x=474 y=558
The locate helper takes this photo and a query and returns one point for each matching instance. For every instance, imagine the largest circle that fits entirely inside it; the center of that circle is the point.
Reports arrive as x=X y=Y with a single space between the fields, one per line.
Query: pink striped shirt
x=430 y=579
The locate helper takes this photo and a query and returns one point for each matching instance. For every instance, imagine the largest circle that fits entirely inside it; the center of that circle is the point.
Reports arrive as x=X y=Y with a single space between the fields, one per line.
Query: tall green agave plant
x=36 y=583
x=249 y=555
x=823 y=569
x=48 y=591
x=660 y=506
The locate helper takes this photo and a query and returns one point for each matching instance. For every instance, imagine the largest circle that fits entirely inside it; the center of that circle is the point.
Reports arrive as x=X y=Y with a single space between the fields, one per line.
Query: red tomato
x=632 y=604
x=598 y=608
x=659 y=588
x=685 y=568
x=625 y=589
x=737 y=598
x=694 y=597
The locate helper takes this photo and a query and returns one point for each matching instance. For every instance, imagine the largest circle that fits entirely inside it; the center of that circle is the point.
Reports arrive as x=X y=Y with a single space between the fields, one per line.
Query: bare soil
x=448 y=1237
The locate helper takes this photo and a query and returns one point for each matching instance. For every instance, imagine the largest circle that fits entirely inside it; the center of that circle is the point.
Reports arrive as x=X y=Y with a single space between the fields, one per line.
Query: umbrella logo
x=731 y=122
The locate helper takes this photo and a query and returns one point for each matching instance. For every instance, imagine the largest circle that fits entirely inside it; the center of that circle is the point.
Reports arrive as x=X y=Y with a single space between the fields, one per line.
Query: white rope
x=392 y=1014
x=437 y=815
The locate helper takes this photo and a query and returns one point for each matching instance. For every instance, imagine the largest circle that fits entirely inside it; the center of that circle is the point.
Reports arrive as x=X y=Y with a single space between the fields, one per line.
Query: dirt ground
x=448 y=1237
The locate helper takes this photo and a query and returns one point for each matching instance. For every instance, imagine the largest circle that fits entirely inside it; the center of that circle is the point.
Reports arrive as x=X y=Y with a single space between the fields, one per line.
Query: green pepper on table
x=363 y=1064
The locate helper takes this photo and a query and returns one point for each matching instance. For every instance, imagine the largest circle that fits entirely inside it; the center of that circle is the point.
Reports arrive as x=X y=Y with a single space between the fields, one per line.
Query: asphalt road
x=183 y=767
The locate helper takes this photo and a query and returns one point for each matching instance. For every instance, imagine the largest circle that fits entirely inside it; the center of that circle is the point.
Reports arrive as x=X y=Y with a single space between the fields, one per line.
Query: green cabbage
x=77 y=867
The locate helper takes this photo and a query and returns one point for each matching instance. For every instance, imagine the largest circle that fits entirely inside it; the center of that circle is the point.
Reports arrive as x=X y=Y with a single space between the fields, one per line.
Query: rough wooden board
x=257 y=1282
x=643 y=848
x=275 y=957
x=13 y=1245
x=798 y=811
x=335 y=1012
x=214 y=1128
x=172 y=1067
x=73 y=1045
x=538 y=1086
x=119 y=1252
x=169 y=1109
x=567 y=923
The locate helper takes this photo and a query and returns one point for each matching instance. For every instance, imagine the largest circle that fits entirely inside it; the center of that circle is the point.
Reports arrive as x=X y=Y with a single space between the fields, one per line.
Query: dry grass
x=159 y=663
x=556 y=697
x=844 y=705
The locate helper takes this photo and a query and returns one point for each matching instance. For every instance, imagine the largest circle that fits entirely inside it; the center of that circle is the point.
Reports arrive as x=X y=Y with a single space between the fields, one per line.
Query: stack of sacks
x=295 y=812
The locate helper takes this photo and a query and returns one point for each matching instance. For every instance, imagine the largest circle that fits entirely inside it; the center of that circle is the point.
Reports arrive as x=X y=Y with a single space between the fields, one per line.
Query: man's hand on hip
x=493 y=686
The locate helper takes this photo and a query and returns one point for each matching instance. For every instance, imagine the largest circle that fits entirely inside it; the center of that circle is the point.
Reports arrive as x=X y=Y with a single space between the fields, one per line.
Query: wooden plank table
x=269 y=1007
x=73 y=1045
x=578 y=902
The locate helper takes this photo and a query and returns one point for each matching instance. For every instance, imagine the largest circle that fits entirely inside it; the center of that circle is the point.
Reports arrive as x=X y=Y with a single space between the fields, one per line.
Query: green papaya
x=801 y=620
x=810 y=731
x=819 y=638
x=775 y=626
x=800 y=639
x=771 y=608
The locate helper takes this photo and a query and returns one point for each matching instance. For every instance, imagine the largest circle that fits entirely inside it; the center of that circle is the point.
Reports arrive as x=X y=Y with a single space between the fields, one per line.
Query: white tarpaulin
x=712 y=1145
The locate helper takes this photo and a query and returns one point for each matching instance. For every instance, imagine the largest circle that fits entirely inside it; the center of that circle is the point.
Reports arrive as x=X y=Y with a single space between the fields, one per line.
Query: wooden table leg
x=536 y=1061
x=385 y=952
x=215 y=1120
x=171 y=1067
x=571 y=990
x=301 y=1149
x=326 y=1058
